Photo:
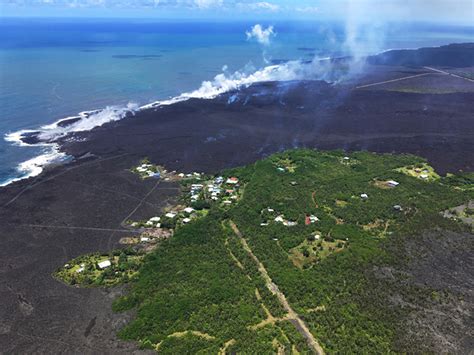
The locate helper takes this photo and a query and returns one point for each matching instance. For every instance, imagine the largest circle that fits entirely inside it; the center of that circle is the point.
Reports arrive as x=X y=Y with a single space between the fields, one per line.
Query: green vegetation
x=202 y=292
x=146 y=169
x=421 y=170
x=86 y=271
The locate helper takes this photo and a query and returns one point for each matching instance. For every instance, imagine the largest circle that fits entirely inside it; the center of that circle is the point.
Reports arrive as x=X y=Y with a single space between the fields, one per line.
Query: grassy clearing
x=85 y=270
x=421 y=171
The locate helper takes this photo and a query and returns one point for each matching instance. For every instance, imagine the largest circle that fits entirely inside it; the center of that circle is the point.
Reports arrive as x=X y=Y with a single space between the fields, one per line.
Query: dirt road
x=293 y=317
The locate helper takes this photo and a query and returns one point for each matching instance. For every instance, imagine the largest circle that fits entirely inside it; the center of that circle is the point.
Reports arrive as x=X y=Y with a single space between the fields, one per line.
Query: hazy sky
x=453 y=11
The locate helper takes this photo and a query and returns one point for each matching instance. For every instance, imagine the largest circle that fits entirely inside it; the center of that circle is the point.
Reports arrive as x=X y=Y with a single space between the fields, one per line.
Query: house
x=219 y=180
x=424 y=176
x=307 y=221
x=317 y=237
x=181 y=175
x=397 y=208
x=279 y=219
x=170 y=215
x=154 y=219
x=264 y=224
x=232 y=181
x=364 y=196
x=227 y=202
x=270 y=209
x=313 y=219
x=289 y=223
x=144 y=239
x=346 y=158
x=155 y=175
x=189 y=210
x=81 y=269
x=392 y=183
x=104 y=264
x=281 y=169
x=186 y=220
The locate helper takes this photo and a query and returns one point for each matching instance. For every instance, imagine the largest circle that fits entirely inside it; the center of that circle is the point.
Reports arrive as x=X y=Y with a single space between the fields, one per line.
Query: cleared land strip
x=394 y=80
x=79 y=228
x=447 y=73
x=293 y=317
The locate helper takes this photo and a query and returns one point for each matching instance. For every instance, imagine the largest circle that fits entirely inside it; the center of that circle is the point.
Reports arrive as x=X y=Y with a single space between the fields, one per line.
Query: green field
x=201 y=291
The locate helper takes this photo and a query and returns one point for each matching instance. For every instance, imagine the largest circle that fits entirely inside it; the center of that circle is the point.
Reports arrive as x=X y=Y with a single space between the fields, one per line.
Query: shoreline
x=209 y=90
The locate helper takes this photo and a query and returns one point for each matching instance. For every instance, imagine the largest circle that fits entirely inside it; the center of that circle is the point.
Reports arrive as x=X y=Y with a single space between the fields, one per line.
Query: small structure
x=424 y=176
x=227 y=202
x=104 y=264
x=154 y=219
x=155 y=175
x=364 y=196
x=81 y=269
x=279 y=219
x=189 y=210
x=281 y=169
x=392 y=183
x=170 y=215
x=232 y=181
x=186 y=220
x=264 y=224
x=346 y=158
x=317 y=237
x=144 y=239
x=290 y=223
x=397 y=208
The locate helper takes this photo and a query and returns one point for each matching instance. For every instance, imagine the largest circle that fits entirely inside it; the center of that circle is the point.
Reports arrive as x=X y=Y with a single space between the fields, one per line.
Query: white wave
x=36 y=165
x=87 y=121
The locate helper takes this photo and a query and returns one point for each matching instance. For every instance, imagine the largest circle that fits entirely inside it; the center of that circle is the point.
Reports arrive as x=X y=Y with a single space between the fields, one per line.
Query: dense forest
x=202 y=291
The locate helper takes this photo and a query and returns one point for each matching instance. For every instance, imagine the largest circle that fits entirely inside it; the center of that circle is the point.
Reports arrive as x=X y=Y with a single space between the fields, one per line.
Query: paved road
x=293 y=317
x=451 y=74
x=393 y=80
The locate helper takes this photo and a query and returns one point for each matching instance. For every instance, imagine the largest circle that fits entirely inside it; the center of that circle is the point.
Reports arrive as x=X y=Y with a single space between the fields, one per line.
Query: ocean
x=51 y=69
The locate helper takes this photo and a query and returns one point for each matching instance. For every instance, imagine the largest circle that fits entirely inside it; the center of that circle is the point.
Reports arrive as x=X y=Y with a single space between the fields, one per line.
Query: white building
x=104 y=264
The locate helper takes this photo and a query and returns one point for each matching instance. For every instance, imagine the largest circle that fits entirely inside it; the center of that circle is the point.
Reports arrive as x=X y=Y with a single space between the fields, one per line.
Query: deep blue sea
x=51 y=69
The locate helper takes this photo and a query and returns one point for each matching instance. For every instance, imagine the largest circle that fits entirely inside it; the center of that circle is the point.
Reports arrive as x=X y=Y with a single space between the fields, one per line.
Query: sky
x=438 y=11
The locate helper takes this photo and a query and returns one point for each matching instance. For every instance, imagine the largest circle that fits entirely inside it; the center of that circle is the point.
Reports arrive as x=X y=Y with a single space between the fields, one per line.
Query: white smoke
x=260 y=34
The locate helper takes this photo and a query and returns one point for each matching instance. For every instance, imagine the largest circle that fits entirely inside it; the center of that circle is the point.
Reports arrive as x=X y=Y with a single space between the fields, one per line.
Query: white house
x=279 y=219
x=364 y=196
x=170 y=215
x=392 y=183
x=154 y=219
x=104 y=264
x=186 y=220
x=189 y=210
